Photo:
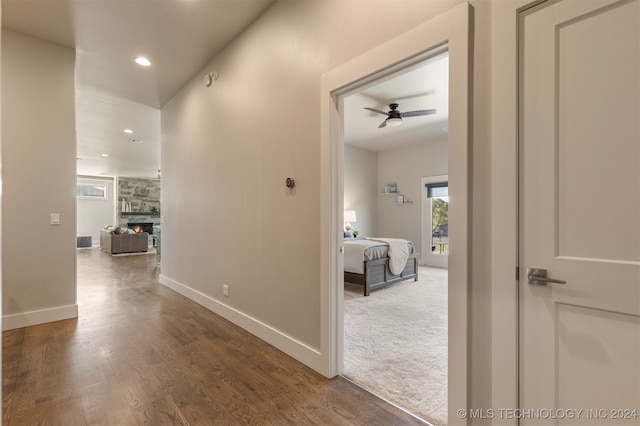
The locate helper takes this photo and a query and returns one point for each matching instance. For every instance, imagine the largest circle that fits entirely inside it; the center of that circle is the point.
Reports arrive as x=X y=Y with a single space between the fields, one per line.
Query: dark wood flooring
x=140 y=354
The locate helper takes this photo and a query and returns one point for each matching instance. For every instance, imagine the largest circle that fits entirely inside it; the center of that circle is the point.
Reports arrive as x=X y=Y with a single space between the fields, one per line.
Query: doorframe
x=451 y=29
x=504 y=192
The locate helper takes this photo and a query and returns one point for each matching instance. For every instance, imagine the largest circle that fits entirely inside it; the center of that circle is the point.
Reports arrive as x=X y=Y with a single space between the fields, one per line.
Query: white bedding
x=354 y=254
x=356 y=251
x=398 y=253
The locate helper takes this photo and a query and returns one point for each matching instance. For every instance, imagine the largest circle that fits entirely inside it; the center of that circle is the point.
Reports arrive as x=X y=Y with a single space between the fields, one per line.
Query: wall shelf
x=152 y=214
x=401 y=200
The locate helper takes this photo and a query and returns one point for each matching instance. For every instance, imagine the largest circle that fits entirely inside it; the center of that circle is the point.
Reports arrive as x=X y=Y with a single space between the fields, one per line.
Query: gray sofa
x=123 y=243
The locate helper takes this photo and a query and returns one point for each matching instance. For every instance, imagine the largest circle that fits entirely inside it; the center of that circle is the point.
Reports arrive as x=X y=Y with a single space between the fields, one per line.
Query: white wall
x=39 y=177
x=94 y=213
x=480 y=295
x=365 y=175
x=224 y=160
x=406 y=166
x=1 y=309
x=227 y=150
x=360 y=188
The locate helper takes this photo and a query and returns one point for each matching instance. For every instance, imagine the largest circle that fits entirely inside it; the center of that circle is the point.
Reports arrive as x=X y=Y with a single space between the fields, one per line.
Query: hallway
x=139 y=353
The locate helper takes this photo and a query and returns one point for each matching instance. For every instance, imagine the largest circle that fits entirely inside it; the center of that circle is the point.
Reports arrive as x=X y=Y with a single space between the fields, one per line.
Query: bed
x=367 y=262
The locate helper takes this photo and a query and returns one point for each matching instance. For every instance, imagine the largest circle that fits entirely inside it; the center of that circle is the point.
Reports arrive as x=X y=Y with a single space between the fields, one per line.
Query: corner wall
x=406 y=167
x=39 y=178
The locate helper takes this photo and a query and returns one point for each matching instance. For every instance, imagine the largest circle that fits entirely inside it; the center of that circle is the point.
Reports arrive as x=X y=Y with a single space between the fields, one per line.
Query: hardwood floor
x=140 y=353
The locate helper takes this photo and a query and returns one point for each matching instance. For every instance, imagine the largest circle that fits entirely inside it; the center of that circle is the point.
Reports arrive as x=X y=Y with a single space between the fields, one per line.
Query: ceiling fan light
x=394 y=121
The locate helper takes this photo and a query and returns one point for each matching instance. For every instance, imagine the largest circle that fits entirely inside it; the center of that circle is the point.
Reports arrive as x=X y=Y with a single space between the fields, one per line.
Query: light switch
x=55 y=218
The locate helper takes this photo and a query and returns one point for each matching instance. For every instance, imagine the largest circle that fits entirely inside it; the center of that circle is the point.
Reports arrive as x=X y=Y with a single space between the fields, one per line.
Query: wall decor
x=392 y=188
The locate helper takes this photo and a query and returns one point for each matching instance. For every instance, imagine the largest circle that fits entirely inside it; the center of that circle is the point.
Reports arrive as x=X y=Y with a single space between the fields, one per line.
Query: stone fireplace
x=140 y=227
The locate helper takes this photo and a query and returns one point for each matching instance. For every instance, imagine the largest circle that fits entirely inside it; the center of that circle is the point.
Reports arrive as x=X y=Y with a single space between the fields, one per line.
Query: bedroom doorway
x=382 y=164
x=449 y=32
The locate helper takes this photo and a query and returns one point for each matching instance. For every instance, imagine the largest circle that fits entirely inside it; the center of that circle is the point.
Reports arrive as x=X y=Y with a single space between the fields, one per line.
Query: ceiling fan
x=394 y=117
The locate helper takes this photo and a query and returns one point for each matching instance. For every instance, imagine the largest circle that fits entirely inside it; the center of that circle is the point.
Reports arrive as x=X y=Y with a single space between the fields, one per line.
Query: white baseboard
x=26 y=319
x=305 y=354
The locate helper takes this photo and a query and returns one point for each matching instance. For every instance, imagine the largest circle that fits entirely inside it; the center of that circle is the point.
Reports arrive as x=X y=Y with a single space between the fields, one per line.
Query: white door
x=580 y=213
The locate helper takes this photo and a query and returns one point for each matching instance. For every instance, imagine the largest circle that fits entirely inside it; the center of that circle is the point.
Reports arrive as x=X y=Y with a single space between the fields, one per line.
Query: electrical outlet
x=225 y=290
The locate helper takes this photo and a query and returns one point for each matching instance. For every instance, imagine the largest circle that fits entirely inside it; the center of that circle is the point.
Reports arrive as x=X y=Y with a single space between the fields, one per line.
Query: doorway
x=450 y=31
x=382 y=166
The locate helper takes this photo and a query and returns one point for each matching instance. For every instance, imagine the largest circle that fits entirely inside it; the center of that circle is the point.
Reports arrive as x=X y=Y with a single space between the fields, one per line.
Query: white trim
x=95 y=181
x=504 y=211
x=453 y=29
x=296 y=349
x=96 y=178
x=27 y=319
x=104 y=197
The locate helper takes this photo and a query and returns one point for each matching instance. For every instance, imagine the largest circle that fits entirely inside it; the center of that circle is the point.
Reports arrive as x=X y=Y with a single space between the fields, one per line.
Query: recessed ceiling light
x=128 y=131
x=105 y=155
x=143 y=61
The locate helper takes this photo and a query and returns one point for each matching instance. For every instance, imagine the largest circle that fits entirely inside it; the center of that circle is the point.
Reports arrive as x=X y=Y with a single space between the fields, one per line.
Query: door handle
x=538 y=276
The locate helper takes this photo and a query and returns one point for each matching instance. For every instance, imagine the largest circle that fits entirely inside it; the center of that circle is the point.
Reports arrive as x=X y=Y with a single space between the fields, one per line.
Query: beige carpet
x=395 y=343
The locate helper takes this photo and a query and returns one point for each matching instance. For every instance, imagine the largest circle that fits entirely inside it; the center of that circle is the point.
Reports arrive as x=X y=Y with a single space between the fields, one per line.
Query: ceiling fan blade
x=383 y=124
x=414 y=95
x=376 y=110
x=418 y=113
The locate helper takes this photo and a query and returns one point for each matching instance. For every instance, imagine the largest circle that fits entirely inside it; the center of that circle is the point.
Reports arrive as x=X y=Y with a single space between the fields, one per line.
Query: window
x=91 y=191
x=438 y=194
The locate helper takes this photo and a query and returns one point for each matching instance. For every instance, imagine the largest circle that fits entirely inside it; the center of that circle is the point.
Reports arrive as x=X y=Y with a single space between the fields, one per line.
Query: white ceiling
x=180 y=37
x=113 y=93
x=424 y=87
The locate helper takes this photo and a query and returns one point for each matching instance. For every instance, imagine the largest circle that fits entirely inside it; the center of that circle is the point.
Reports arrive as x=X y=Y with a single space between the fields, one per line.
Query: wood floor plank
x=140 y=353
